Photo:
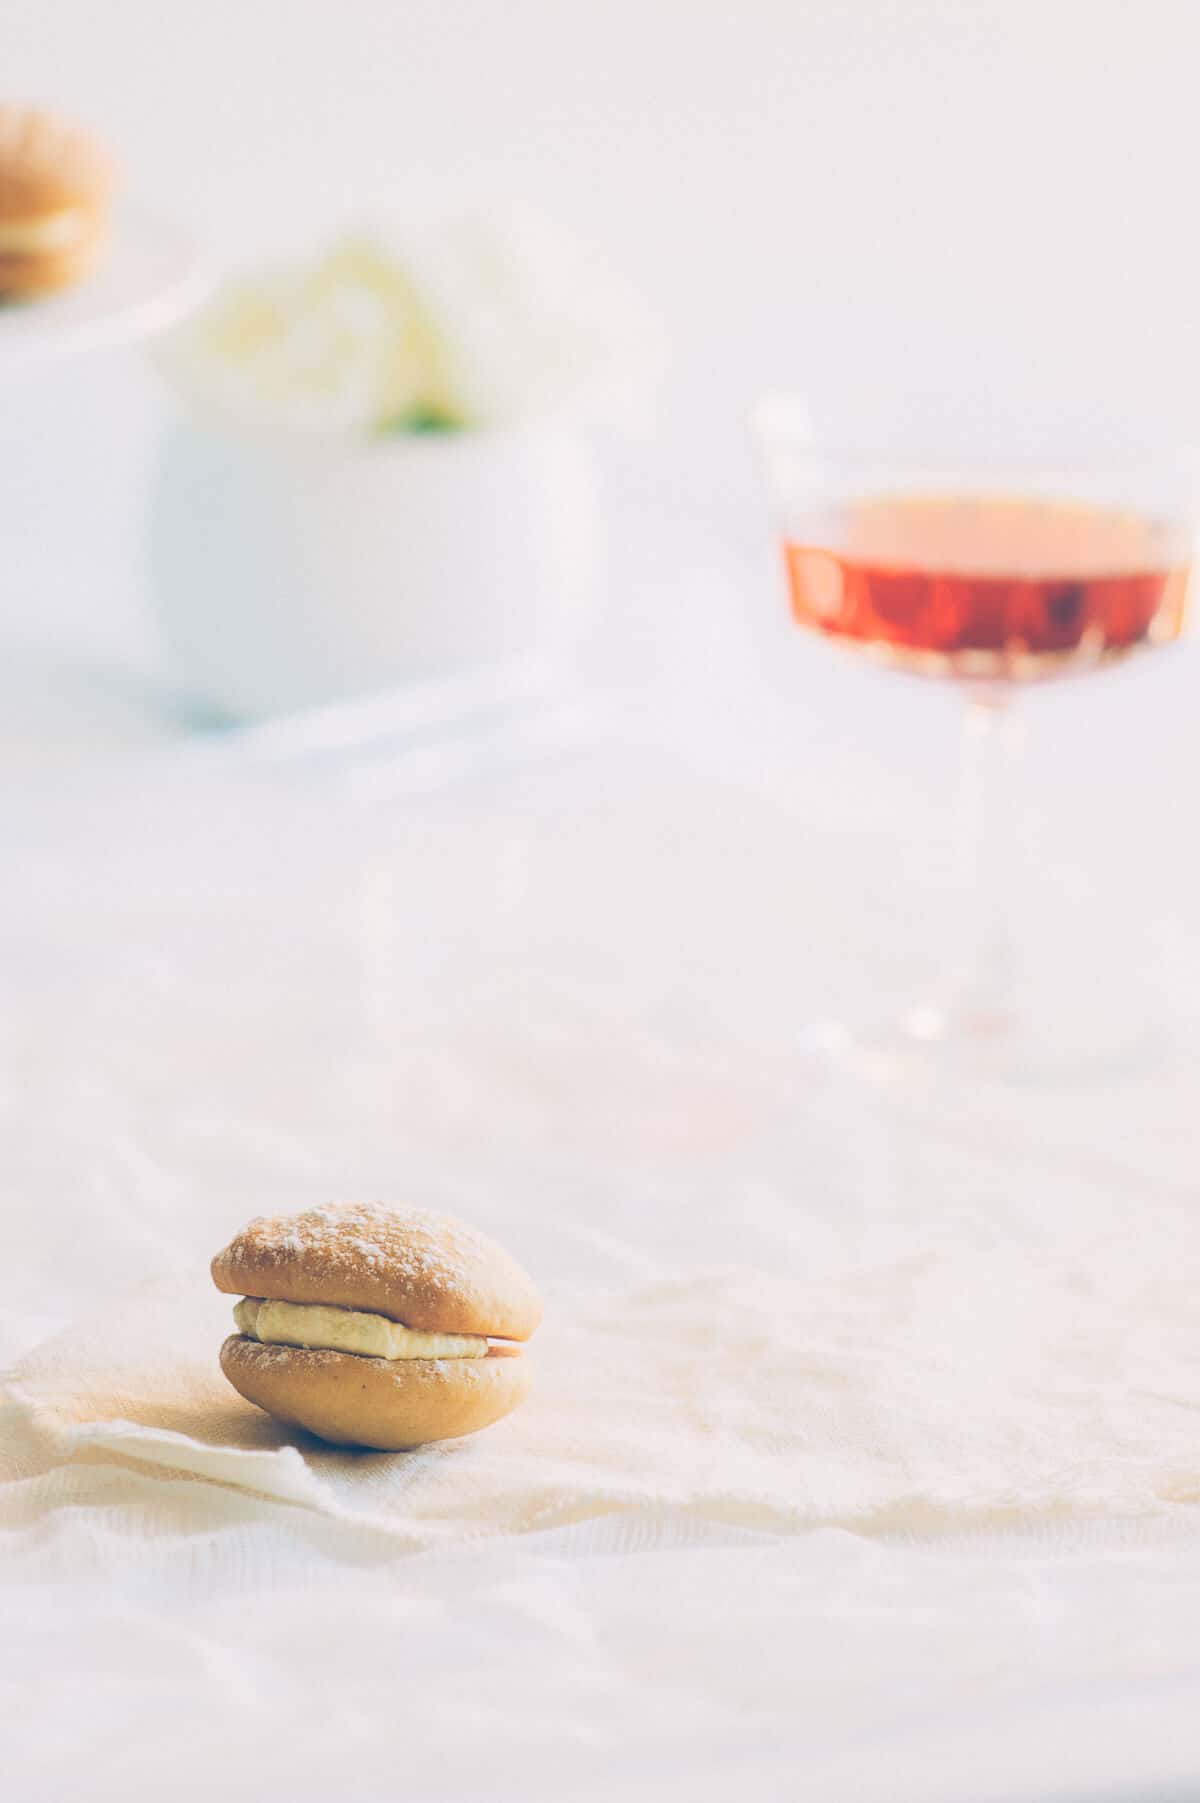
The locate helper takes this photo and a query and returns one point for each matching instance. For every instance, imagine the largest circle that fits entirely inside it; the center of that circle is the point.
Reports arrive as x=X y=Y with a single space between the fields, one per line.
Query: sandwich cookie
x=374 y=1326
x=55 y=182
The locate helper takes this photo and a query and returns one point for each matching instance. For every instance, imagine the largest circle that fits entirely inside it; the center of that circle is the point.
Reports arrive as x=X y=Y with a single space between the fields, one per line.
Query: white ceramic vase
x=286 y=574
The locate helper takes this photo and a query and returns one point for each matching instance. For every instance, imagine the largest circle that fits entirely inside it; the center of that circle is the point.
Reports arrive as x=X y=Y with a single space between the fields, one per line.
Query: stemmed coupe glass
x=991 y=575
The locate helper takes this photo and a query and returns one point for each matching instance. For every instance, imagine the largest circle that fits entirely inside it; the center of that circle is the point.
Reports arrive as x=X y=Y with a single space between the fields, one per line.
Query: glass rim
x=780 y=421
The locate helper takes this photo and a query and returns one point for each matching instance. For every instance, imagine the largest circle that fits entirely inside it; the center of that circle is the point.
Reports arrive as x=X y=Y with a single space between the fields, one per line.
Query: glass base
x=1044 y=1047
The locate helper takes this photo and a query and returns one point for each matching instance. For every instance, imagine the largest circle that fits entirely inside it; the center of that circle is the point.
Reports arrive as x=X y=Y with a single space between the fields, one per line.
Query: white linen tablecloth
x=864 y=1460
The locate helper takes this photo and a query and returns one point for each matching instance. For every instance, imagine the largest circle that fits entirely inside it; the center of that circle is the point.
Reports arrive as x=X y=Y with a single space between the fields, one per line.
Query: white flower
x=345 y=343
x=464 y=322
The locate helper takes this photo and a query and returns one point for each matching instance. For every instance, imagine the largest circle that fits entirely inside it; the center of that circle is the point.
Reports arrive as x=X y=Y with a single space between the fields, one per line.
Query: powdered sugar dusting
x=423 y=1269
x=286 y=1355
x=407 y=1373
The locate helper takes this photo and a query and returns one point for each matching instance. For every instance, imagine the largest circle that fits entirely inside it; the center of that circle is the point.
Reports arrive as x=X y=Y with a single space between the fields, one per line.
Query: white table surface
x=232 y=978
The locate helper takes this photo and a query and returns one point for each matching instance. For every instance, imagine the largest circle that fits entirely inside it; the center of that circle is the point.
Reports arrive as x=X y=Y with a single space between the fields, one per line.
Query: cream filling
x=318 y=1328
x=51 y=231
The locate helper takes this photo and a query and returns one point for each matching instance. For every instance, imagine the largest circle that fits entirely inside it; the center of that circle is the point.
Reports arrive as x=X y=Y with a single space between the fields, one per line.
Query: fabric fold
x=747 y=1400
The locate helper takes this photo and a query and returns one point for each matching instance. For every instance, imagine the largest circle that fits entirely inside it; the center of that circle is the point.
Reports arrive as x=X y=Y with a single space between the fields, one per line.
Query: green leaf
x=420 y=419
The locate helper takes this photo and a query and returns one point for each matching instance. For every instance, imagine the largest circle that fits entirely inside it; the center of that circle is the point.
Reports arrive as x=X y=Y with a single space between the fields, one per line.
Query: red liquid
x=993 y=588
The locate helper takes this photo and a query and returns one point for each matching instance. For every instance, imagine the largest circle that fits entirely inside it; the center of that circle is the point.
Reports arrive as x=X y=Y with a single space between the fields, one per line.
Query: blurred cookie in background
x=55 y=183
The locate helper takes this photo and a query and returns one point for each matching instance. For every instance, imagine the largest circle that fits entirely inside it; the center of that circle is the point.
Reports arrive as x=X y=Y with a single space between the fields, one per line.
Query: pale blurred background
x=897 y=207
x=563 y=995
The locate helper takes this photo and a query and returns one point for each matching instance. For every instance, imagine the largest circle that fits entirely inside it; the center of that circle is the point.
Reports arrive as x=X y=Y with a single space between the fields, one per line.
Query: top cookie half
x=426 y=1270
x=48 y=165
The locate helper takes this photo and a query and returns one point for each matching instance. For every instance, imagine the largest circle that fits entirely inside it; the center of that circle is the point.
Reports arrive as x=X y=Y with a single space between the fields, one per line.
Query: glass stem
x=986 y=998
